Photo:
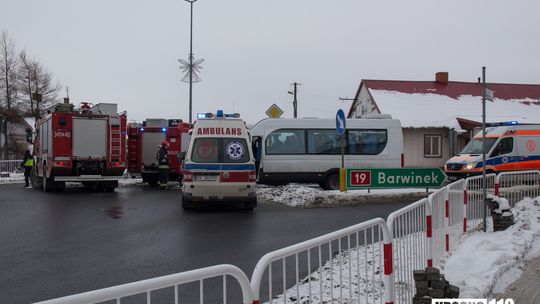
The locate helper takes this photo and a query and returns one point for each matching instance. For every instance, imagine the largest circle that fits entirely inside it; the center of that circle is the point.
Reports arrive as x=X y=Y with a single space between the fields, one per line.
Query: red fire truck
x=80 y=145
x=144 y=140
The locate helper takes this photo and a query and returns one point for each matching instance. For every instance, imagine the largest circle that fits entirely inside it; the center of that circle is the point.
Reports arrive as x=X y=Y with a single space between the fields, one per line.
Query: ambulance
x=509 y=146
x=219 y=163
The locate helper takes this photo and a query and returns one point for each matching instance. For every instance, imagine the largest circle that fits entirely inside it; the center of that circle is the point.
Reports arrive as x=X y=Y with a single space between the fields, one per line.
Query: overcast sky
x=126 y=51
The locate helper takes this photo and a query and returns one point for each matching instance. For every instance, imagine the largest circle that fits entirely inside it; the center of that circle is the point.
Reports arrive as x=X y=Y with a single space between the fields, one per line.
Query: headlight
x=471 y=165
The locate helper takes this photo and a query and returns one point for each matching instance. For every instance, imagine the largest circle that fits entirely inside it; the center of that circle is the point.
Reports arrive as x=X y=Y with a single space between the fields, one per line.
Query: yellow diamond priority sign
x=274 y=111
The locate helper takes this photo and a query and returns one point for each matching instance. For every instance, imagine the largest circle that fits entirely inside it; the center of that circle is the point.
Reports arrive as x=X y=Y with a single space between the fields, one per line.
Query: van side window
x=286 y=142
x=323 y=142
x=366 y=141
x=505 y=146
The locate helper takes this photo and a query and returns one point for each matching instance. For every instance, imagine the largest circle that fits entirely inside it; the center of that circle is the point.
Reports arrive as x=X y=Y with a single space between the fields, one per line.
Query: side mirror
x=181 y=155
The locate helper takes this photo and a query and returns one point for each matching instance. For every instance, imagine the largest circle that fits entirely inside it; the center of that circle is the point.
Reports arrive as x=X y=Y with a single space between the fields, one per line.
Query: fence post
x=497 y=179
x=429 y=236
x=465 y=198
x=447 y=219
x=388 y=253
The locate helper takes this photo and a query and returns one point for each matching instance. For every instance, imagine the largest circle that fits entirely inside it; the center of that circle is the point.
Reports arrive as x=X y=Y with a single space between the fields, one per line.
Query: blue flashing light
x=163 y=129
x=513 y=122
x=201 y=115
x=219 y=113
x=142 y=129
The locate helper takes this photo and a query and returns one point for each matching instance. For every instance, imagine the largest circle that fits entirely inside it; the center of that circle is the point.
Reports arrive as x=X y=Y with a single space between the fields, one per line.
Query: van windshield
x=220 y=150
x=475 y=146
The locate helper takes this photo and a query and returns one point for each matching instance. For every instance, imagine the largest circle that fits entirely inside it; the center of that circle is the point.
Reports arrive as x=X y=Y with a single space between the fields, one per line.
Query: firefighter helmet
x=165 y=143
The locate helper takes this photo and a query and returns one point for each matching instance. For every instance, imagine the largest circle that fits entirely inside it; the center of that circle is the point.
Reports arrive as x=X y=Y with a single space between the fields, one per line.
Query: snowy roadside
x=487 y=263
x=14 y=178
x=300 y=195
x=482 y=263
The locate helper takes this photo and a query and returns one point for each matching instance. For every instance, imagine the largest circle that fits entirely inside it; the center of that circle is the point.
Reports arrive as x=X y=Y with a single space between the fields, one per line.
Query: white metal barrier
x=410 y=228
x=474 y=200
x=10 y=166
x=146 y=287
x=514 y=186
x=438 y=201
x=362 y=254
x=456 y=207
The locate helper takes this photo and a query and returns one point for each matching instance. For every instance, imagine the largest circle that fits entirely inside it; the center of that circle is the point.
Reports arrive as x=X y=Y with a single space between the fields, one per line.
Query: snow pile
x=483 y=258
x=129 y=181
x=301 y=195
x=13 y=178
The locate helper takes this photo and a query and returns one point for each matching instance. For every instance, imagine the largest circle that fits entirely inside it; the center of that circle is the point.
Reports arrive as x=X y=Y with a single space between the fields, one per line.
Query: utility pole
x=484 y=191
x=295 y=101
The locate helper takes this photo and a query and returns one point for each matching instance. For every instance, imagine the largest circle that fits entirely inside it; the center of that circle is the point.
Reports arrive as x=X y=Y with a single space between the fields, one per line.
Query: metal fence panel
x=439 y=214
x=410 y=228
x=11 y=166
x=456 y=207
x=351 y=265
x=119 y=294
x=475 y=206
x=514 y=186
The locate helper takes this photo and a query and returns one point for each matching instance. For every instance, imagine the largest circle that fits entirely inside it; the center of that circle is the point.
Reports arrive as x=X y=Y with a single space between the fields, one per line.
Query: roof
x=423 y=104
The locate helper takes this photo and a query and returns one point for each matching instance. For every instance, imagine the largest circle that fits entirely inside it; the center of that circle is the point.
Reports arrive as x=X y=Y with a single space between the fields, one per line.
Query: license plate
x=205 y=177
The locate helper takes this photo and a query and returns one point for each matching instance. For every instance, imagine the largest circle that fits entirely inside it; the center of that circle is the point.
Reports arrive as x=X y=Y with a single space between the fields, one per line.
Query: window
x=432 y=146
x=505 y=146
x=286 y=142
x=220 y=150
x=323 y=142
x=366 y=141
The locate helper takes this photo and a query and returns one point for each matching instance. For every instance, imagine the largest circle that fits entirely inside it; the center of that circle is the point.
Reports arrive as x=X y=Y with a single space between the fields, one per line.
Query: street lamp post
x=191 y=67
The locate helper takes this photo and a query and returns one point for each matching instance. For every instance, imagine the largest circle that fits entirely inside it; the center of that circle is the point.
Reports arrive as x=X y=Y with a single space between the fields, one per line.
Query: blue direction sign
x=340 y=122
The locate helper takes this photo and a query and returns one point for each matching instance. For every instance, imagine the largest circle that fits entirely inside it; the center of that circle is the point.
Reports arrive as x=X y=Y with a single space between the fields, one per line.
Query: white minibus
x=308 y=150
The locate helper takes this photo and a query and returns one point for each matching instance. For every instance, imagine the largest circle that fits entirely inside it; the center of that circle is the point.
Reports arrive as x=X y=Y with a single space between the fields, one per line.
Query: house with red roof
x=439 y=117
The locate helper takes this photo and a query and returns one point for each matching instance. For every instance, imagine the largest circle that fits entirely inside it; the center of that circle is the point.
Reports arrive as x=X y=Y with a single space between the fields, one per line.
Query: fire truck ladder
x=116 y=143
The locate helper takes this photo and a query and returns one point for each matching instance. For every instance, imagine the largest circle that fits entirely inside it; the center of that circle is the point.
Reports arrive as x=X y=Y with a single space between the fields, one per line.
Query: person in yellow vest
x=27 y=164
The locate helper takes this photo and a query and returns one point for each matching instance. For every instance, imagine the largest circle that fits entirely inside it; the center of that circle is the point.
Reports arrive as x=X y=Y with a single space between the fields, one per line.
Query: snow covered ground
x=13 y=178
x=484 y=264
x=301 y=195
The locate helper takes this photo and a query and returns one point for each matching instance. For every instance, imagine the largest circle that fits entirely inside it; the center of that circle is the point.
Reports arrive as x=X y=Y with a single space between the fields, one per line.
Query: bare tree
x=9 y=62
x=35 y=79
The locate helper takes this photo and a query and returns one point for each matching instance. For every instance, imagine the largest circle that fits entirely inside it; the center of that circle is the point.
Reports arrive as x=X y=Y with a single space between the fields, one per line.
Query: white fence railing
x=361 y=253
x=10 y=166
x=411 y=232
x=371 y=262
x=173 y=281
x=516 y=185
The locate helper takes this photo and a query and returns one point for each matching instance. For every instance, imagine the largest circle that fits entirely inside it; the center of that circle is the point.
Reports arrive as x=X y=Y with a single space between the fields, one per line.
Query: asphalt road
x=57 y=244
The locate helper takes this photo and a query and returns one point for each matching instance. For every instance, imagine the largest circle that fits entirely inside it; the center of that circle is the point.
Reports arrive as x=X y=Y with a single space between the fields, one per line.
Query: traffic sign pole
x=340 y=129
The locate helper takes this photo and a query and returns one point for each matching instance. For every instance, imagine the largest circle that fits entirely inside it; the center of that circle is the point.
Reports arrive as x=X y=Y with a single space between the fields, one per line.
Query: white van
x=308 y=150
x=219 y=163
x=509 y=146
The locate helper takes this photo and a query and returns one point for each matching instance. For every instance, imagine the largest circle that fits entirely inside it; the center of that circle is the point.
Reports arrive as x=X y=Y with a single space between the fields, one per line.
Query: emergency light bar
x=504 y=123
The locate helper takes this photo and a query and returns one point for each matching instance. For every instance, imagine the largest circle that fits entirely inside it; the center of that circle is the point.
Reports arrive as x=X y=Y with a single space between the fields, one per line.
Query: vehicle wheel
x=108 y=186
x=332 y=182
x=48 y=184
x=251 y=204
x=59 y=186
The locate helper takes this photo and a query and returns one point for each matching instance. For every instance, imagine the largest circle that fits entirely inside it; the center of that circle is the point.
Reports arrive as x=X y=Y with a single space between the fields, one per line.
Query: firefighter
x=27 y=164
x=163 y=162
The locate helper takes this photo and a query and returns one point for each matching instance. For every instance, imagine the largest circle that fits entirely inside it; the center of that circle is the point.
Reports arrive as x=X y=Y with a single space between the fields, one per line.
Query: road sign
x=490 y=95
x=274 y=111
x=395 y=178
x=340 y=122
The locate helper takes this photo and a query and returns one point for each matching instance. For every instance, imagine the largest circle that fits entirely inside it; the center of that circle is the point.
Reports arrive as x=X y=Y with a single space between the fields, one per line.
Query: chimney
x=441 y=77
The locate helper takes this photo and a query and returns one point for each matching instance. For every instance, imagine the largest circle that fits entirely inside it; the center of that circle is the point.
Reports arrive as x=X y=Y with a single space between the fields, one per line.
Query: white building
x=438 y=117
